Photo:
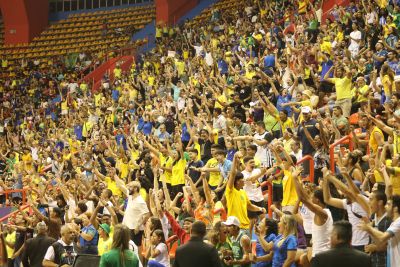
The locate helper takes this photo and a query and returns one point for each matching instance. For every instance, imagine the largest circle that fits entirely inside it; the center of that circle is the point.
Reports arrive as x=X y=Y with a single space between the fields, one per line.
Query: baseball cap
x=105 y=227
x=232 y=220
x=305 y=109
x=307 y=93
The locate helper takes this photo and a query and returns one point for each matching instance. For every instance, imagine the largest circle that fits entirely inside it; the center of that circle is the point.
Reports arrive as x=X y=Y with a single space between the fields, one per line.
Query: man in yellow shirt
x=178 y=170
x=237 y=201
x=343 y=85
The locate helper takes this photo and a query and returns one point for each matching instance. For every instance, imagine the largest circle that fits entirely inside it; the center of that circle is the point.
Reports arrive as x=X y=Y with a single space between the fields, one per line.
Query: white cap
x=305 y=109
x=232 y=220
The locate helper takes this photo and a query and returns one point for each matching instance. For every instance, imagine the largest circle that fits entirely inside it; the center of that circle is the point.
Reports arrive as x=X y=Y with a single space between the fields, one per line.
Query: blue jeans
x=153 y=263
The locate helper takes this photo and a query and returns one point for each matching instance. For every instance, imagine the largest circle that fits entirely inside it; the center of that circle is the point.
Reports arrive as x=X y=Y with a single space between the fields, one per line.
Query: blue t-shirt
x=92 y=231
x=269 y=61
x=225 y=168
x=120 y=139
x=325 y=68
x=382 y=53
x=78 y=131
x=261 y=252
x=280 y=253
x=230 y=154
x=185 y=137
x=115 y=95
x=147 y=126
x=222 y=66
x=282 y=100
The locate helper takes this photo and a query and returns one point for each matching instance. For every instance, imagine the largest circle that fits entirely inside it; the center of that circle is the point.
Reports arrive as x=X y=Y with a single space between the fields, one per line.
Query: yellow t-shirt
x=382 y=3
x=373 y=144
x=362 y=91
x=117 y=72
x=289 y=190
x=302 y=6
x=10 y=238
x=112 y=185
x=104 y=246
x=287 y=124
x=236 y=203
x=214 y=176
x=339 y=37
x=158 y=32
x=222 y=99
x=343 y=88
x=123 y=169
x=394 y=178
x=180 y=67
x=387 y=85
x=97 y=99
x=178 y=173
x=167 y=163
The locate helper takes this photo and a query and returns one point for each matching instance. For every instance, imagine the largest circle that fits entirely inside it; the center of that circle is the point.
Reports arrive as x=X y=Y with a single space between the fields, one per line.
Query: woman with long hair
x=158 y=250
x=120 y=255
x=284 y=246
x=387 y=80
x=266 y=229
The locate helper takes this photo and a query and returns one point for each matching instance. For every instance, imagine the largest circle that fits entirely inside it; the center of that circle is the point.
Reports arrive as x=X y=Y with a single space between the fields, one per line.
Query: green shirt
x=112 y=259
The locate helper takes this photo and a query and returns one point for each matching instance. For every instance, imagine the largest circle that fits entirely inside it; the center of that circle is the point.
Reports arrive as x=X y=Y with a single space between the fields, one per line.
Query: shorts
x=255 y=214
x=277 y=193
x=137 y=238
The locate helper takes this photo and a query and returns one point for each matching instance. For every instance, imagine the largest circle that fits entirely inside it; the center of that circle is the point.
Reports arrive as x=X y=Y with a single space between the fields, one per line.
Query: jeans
x=153 y=263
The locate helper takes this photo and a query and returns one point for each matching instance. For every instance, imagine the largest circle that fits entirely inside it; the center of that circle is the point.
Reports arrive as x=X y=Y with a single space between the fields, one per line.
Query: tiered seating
x=83 y=32
x=221 y=5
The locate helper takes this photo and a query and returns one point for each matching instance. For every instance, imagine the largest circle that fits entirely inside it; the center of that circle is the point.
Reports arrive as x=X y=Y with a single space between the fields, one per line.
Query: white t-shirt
x=209 y=59
x=308 y=218
x=262 y=151
x=50 y=253
x=357 y=36
x=321 y=236
x=393 y=248
x=253 y=190
x=360 y=237
x=135 y=209
x=163 y=257
x=198 y=50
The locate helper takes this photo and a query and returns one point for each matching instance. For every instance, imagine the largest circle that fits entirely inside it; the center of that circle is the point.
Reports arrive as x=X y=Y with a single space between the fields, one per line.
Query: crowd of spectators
x=184 y=143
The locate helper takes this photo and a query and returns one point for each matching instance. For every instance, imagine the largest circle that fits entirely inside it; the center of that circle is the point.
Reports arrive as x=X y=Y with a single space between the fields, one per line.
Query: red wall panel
x=170 y=11
x=329 y=4
x=23 y=19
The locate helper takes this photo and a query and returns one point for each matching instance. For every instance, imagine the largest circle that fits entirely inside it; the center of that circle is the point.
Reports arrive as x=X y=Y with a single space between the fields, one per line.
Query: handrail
x=337 y=143
x=269 y=191
x=23 y=191
x=24 y=207
x=310 y=159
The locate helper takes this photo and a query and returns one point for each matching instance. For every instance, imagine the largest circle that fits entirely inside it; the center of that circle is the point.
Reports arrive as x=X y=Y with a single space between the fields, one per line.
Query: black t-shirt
x=205 y=149
x=3 y=166
x=307 y=148
x=237 y=107
x=244 y=92
x=21 y=236
x=195 y=175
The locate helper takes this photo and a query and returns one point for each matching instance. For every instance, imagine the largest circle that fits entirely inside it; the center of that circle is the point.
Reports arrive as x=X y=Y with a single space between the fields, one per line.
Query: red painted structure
x=328 y=5
x=96 y=76
x=169 y=11
x=23 y=19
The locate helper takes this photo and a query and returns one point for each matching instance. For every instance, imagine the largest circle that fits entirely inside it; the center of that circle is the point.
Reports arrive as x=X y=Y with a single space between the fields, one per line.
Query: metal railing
x=344 y=140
